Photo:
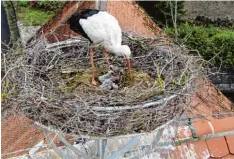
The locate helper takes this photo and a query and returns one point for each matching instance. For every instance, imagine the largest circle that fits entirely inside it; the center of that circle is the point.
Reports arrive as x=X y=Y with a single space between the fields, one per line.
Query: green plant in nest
x=3 y=97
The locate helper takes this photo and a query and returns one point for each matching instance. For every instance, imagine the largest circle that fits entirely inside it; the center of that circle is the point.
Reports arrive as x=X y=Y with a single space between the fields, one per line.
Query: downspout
x=5 y=32
x=12 y=21
x=100 y=5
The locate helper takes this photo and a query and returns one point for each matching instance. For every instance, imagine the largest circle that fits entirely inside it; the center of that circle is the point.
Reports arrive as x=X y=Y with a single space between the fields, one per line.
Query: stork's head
x=73 y=21
x=123 y=50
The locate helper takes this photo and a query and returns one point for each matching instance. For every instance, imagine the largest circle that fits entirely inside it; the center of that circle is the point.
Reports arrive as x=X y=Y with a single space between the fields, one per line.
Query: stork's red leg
x=107 y=57
x=129 y=67
x=92 y=67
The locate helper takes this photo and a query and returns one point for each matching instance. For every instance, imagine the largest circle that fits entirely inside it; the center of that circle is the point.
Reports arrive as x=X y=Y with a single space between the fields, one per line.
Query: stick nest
x=51 y=84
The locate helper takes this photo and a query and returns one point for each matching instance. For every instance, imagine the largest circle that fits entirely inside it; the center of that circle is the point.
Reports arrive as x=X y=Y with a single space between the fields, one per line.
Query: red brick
x=230 y=143
x=217 y=147
x=229 y=156
x=202 y=128
x=223 y=125
x=201 y=149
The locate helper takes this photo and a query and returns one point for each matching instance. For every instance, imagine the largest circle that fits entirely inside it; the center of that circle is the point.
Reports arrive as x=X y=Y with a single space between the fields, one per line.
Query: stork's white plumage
x=104 y=28
x=100 y=28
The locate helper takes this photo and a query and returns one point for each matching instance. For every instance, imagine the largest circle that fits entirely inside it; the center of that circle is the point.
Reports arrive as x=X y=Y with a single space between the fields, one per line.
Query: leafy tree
x=163 y=12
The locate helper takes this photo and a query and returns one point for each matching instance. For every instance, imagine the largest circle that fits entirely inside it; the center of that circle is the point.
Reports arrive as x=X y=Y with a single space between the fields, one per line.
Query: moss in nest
x=137 y=69
x=140 y=122
x=74 y=79
x=78 y=79
x=174 y=82
x=145 y=96
x=50 y=97
x=7 y=84
x=100 y=71
x=126 y=81
x=19 y=51
x=81 y=82
x=138 y=77
x=143 y=78
x=3 y=96
x=71 y=86
x=184 y=79
x=140 y=126
x=160 y=82
x=87 y=88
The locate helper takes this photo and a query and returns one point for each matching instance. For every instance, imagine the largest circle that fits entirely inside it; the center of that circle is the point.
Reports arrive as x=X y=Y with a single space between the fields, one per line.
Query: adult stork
x=100 y=28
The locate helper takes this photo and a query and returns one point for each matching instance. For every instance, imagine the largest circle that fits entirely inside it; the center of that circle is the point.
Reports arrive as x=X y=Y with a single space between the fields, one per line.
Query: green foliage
x=184 y=79
x=3 y=97
x=213 y=43
x=50 y=5
x=40 y=13
x=30 y=16
x=160 y=82
x=23 y=3
x=161 y=11
x=159 y=79
x=165 y=9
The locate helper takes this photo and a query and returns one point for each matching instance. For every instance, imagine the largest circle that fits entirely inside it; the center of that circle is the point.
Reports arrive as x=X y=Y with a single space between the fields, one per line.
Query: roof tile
x=201 y=149
x=230 y=143
x=202 y=128
x=196 y=150
x=18 y=133
x=229 y=156
x=177 y=153
x=222 y=125
x=184 y=132
x=217 y=147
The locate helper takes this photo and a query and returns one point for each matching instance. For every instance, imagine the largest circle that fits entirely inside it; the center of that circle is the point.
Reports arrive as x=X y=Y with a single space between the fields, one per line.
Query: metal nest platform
x=51 y=84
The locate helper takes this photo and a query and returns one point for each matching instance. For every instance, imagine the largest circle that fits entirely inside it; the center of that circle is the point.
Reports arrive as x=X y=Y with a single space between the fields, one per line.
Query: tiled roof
x=208 y=100
x=214 y=139
x=18 y=133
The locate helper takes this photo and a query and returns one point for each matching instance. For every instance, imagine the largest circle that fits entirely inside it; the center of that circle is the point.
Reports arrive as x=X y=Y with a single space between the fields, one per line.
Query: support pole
x=123 y=149
x=103 y=4
x=100 y=5
x=148 y=149
x=52 y=144
x=101 y=146
x=96 y=4
x=72 y=148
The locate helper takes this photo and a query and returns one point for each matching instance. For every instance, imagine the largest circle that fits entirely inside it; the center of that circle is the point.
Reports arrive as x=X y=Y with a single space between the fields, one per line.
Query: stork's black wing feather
x=88 y=13
x=75 y=18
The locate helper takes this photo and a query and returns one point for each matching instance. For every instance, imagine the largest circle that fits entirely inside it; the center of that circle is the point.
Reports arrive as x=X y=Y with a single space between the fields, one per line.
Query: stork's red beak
x=129 y=68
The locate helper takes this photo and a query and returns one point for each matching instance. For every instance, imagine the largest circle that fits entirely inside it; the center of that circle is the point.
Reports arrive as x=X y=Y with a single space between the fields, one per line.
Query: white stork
x=100 y=28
